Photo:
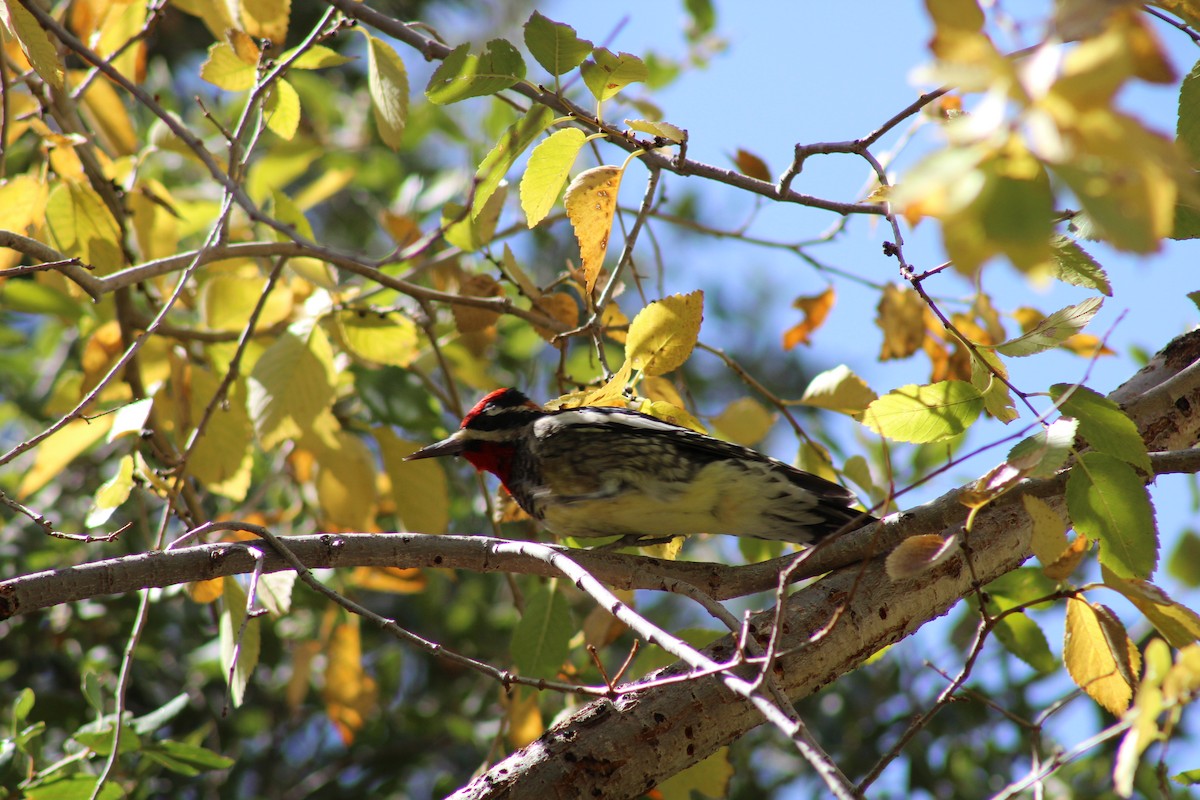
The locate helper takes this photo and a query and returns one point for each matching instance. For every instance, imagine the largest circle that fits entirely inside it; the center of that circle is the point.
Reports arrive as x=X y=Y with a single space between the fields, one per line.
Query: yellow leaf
x=100 y=352
x=350 y=693
x=611 y=393
x=223 y=456
x=615 y=323
x=1049 y=529
x=387 y=81
x=267 y=19
x=469 y=319
x=226 y=70
x=226 y=301
x=561 y=306
x=1099 y=655
x=744 y=422
x=378 y=338
x=653 y=387
x=709 y=777
x=591 y=201
x=346 y=484
x=418 y=487
x=81 y=225
x=282 y=110
x=121 y=23
x=112 y=494
x=839 y=389
x=524 y=717
x=205 y=592
x=35 y=43
x=917 y=554
x=902 y=319
x=662 y=335
x=154 y=222
x=396 y=580
x=816 y=308
x=109 y=116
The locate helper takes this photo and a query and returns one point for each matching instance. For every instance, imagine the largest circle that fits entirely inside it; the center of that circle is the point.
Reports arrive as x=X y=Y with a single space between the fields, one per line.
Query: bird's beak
x=450 y=446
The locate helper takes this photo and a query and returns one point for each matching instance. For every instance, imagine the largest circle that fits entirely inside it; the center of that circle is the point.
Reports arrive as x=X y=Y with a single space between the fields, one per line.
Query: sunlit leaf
x=1103 y=424
x=662 y=335
x=608 y=73
x=744 y=421
x=239 y=647
x=591 y=201
x=226 y=70
x=1099 y=655
x=555 y=45
x=464 y=74
x=112 y=494
x=513 y=142
x=658 y=129
x=419 y=489
x=839 y=389
x=546 y=174
x=922 y=414
x=34 y=41
x=291 y=383
x=916 y=554
x=1052 y=330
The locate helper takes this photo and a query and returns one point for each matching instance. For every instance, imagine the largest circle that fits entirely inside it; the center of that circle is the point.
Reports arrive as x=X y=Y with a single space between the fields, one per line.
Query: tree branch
x=674 y=726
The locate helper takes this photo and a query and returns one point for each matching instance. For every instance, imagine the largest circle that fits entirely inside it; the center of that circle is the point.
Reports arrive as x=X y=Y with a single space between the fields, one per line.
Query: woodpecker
x=598 y=471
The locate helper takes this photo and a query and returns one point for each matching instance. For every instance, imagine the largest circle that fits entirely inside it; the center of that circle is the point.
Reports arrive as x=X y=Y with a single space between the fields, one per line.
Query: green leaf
x=282 y=111
x=704 y=17
x=378 y=338
x=233 y=612
x=149 y=723
x=1052 y=330
x=471 y=233
x=187 y=759
x=512 y=144
x=387 y=80
x=1024 y=638
x=1184 y=563
x=22 y=705
x=316 y=57
x=465 y=74
x=226 y=70
x=555 y=45
x=1107 y=502
x=291 y=383
x=1189 y=777
x=112 y=494
x=74 y=787
x=549 y=165
x=540 y=640
x=1042 y=454
x=922 y=414
x=1073 y=265
x=1103 y=424
x=609 y=73
x=34 y=41
x=1187 y=128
